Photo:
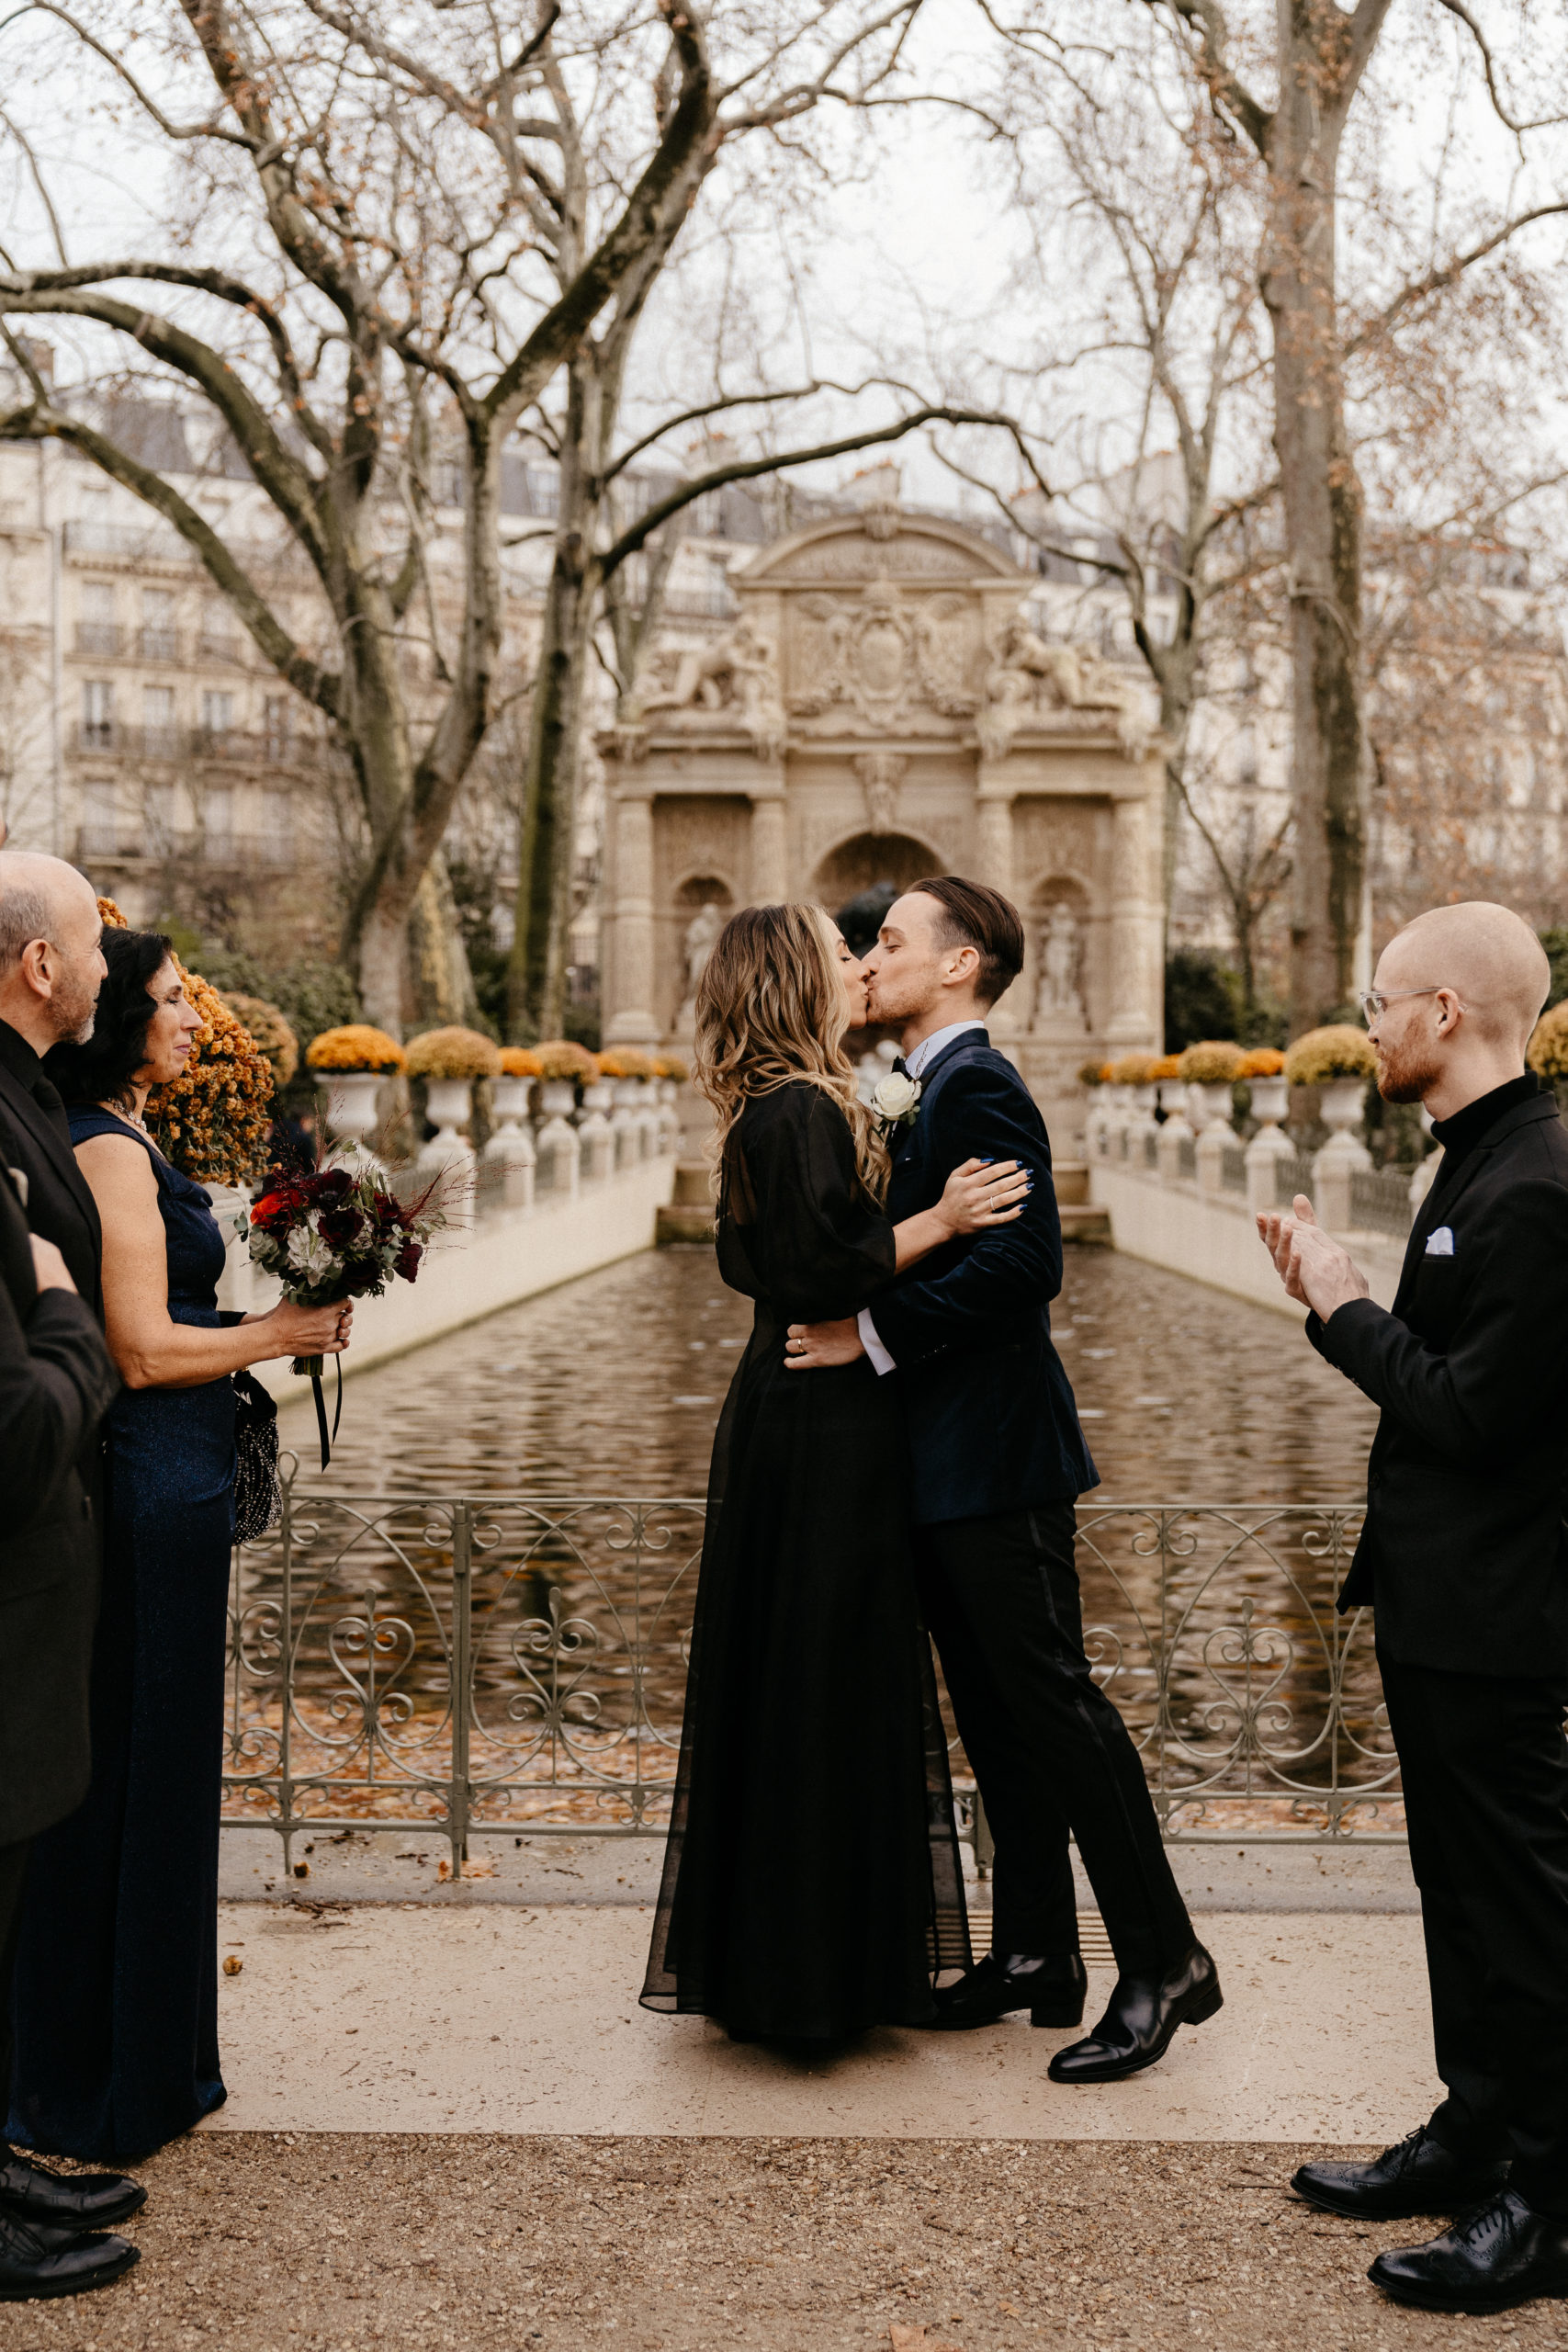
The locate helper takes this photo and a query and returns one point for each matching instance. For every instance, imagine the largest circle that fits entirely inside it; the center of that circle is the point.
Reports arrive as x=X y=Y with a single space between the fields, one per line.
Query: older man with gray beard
x=1464 y=1559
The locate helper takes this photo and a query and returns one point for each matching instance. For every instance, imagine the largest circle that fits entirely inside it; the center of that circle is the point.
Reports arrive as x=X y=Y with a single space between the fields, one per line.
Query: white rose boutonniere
x=895 y=1099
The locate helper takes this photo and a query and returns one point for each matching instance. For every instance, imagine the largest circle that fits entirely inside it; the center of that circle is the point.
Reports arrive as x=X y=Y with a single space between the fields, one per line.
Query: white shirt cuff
x=870 y=1343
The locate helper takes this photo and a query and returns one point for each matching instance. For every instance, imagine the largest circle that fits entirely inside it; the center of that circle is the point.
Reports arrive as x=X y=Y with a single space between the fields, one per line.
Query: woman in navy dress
x=117 y=1982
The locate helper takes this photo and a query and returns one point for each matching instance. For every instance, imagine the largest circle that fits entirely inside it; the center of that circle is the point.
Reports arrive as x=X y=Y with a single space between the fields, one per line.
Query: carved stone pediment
x=883 y=658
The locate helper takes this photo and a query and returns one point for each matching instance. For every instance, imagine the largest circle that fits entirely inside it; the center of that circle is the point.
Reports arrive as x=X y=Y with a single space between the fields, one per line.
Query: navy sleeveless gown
x=116 y=1979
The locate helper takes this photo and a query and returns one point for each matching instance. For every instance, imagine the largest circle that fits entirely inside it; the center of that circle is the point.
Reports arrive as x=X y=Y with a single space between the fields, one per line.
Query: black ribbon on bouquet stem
x=327 y=1443
x=315 y=1366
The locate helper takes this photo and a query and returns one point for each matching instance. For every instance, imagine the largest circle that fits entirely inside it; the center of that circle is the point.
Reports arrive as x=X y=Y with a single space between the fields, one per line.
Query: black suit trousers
x=1049 y=1750
x=13 y=1879
x=1484 y=1765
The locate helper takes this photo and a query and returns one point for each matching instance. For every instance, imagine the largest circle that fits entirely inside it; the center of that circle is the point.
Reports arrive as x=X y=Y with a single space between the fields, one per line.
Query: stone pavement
x=377 y=2017
x=451 y=2128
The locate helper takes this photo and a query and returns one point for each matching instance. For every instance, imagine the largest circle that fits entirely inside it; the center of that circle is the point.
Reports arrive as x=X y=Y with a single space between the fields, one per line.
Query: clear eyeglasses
x=1374 y=1003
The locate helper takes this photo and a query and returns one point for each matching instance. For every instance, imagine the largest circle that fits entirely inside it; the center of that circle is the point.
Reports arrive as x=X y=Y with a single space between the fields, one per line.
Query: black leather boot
x=1050 y=1988
x=81 y=2200
x=1418 y=2175
x=1503 y=2254
x=1140 y=2024
x=37 y=2261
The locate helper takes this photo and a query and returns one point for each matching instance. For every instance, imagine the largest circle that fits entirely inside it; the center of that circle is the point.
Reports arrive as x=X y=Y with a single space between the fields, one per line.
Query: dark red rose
x=406 y=1263
x=340 y=1227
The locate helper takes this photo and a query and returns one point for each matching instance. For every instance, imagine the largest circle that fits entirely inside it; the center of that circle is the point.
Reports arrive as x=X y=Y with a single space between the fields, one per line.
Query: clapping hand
x=1311 y=1264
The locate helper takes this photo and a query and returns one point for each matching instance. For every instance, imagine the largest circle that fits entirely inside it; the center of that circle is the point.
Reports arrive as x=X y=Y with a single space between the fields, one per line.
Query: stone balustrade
x=549 y=1198
x=1184 y=1191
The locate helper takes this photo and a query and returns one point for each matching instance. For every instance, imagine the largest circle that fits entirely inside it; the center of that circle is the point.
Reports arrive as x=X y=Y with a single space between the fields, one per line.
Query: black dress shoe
x=81 y=2200
x=1505 y=2252
x=1418 y=2176
x=37 y=2261
x=1140 y=2024
x=1052 y=1989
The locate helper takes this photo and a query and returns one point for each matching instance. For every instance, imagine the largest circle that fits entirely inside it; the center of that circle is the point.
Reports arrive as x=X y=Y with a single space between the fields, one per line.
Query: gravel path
x=299 y=2243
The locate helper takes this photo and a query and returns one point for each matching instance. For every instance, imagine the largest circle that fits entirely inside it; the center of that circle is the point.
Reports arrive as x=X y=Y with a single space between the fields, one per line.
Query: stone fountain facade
x=879 y=710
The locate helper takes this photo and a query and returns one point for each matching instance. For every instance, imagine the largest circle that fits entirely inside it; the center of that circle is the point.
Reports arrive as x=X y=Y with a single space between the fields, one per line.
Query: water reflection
x=1218 y=1638
x=613 y=1384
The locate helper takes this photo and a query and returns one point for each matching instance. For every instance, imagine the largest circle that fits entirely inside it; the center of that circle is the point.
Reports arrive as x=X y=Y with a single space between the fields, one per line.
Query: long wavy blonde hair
x=771 y=1010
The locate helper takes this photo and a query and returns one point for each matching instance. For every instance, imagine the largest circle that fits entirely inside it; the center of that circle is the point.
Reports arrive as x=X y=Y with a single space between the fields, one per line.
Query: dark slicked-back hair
x=973 y=916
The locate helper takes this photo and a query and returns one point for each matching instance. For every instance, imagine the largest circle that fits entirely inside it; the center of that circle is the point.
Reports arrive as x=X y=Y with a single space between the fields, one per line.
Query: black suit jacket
x=992 y=1423
x=1464 y=1554
x=56 y=1380
x=60 y=1206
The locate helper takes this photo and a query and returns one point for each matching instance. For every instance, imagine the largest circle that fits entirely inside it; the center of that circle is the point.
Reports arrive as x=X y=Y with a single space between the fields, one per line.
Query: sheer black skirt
x=812 y=1882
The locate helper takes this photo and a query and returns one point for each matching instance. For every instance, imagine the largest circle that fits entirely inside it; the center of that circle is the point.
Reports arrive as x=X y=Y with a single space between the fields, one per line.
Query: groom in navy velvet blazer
x=998 y=1460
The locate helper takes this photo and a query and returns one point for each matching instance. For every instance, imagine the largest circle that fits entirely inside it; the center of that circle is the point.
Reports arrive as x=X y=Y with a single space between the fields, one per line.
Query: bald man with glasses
x=1463 y=1558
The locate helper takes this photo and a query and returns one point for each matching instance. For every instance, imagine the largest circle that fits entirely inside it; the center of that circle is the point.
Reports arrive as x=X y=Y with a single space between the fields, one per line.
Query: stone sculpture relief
x=697 y=943
x=736 y=676
x=883 y=656
x=1061 y=969
x=880 y=773
x=1030 y=682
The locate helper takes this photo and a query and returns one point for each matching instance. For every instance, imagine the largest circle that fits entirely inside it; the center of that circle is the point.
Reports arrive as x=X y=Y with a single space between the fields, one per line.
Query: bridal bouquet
x=333 y=1234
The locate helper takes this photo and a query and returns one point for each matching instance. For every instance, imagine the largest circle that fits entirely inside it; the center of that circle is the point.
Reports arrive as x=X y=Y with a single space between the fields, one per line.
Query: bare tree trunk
x=537 y=977
x=1322 y=499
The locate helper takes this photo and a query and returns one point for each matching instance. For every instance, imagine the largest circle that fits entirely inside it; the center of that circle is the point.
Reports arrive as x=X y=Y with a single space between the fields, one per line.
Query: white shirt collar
x=925 y=1053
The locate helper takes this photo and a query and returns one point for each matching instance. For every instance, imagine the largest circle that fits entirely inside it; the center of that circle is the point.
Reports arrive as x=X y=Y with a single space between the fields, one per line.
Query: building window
x=218 y=826
x=278 y=726
x=276 y=829
x=97 y=715
x=100 y=827
x=217 y=716
x=158 y=804
x=159 y=640
x=159 y=741
x=217 y=641
x=98 y=631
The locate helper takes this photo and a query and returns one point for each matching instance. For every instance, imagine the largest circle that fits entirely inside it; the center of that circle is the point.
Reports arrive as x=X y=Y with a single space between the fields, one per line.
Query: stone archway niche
x=882 y=709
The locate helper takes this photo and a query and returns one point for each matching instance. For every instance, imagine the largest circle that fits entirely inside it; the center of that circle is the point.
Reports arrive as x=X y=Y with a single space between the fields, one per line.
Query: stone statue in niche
x=697 y=944
x=880 y=773
x=738 y=675
x=1060 y=969
x=1029 y=680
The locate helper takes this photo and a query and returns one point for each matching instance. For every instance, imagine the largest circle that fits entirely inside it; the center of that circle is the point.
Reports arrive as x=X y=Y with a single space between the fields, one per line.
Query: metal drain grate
x=1093 y=1942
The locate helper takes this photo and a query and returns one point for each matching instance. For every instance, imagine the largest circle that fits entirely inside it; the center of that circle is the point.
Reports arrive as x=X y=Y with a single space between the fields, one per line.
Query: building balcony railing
x=158 y=643
x=101 y=840
x=218 y=645
x=164 y=746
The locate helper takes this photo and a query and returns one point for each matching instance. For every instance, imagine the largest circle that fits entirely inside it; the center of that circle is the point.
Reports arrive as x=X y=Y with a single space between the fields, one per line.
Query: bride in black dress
x=812 y=1885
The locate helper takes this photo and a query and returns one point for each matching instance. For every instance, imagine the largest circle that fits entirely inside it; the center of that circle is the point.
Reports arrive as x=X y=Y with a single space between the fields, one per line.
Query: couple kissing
x=897 y=1461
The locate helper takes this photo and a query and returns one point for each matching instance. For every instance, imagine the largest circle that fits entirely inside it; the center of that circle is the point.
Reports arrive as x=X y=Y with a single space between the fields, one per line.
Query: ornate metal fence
x=481 y=1665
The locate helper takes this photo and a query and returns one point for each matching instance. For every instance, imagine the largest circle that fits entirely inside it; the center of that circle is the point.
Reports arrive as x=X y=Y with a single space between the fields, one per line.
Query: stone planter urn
x=1343 y=1100
x=351 y=1114
x=510 y=1147
x=556 y=1144
x=1268 y=1098
x=449 y=1102
x=1344 y=1155
x=594 y=1135
x=1208 y=1106
x=646 y=1116
x=623 y=1121
x=1268 y=1145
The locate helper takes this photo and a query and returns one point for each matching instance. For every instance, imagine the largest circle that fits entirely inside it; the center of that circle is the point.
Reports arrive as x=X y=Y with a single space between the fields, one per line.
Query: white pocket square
x=1441 y=1243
